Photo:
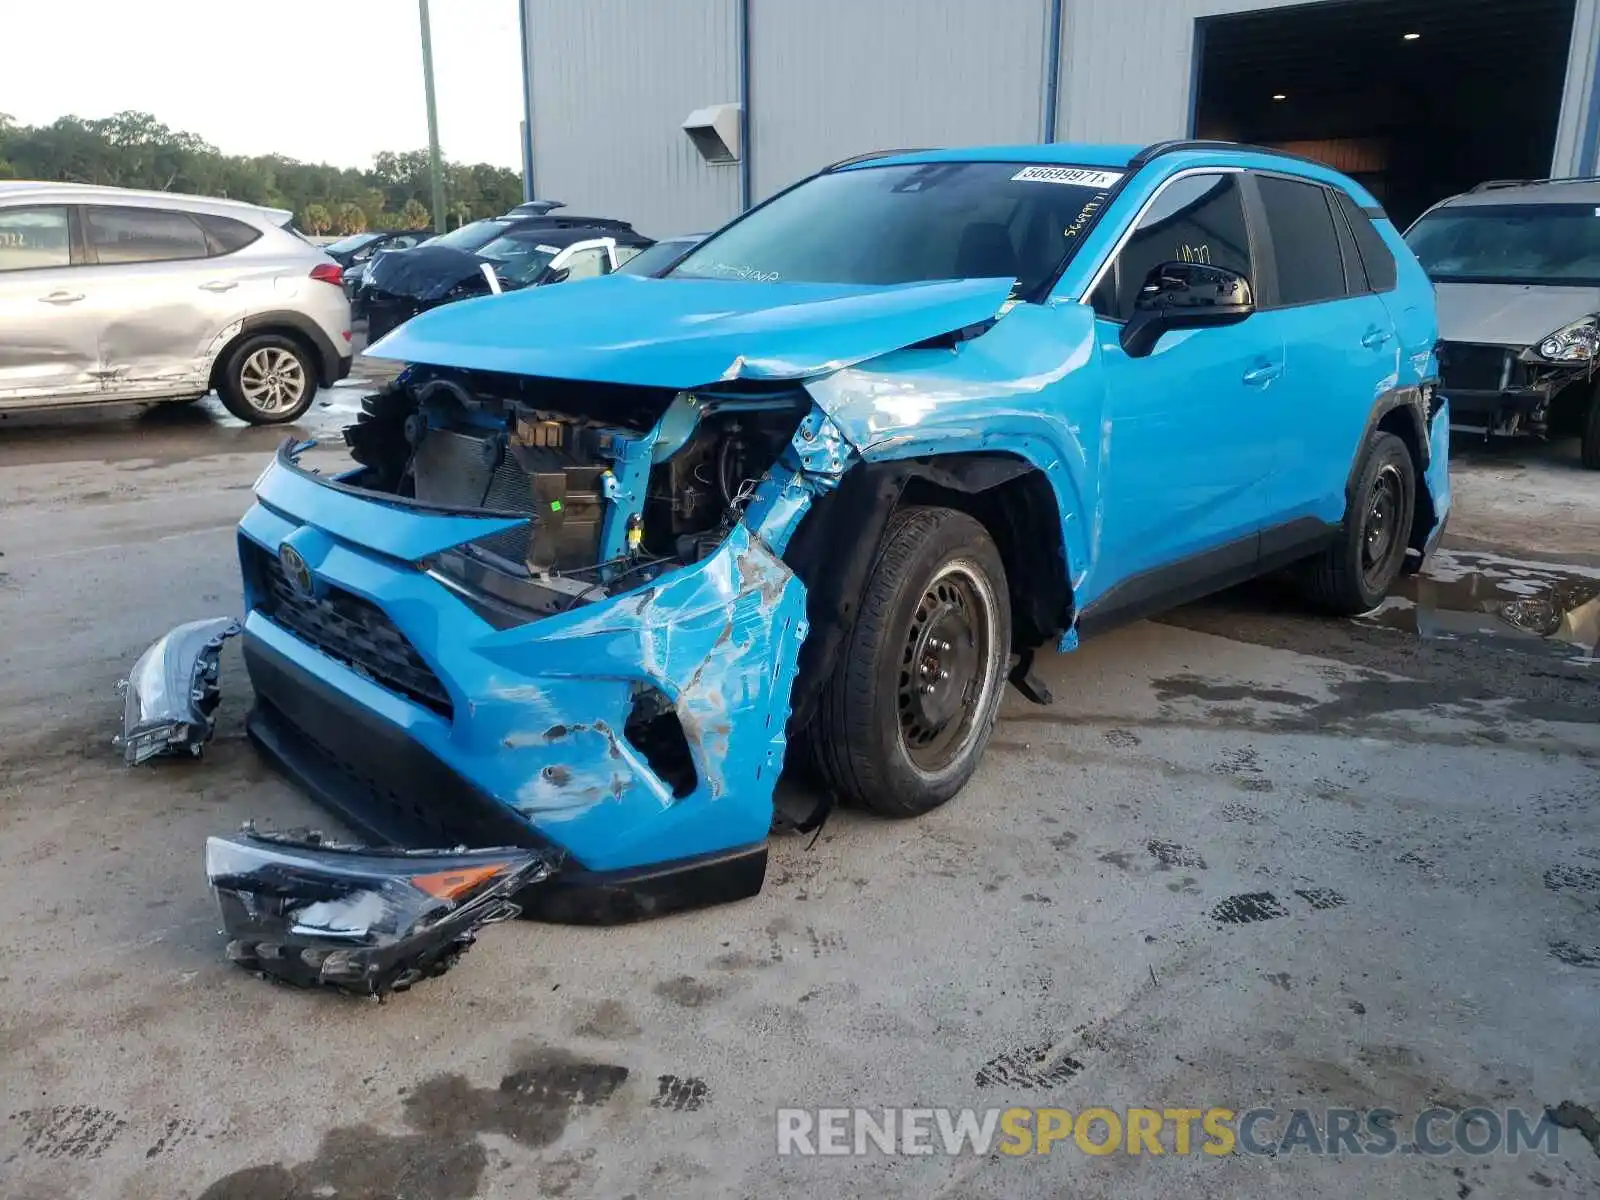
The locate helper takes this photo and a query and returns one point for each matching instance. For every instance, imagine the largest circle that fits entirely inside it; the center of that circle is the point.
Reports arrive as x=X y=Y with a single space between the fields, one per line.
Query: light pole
x=435 y=171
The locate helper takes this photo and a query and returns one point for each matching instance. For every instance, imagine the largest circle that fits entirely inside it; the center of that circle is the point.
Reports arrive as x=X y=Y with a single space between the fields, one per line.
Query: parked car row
x=229 y=298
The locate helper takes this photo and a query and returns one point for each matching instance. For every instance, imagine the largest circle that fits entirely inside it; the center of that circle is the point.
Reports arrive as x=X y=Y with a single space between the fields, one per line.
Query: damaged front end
x=309 y=912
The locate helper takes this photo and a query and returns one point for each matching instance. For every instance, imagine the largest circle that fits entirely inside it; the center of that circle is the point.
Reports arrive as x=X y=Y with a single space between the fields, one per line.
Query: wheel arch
x=297 y=327
x=837 y=544
x=1406 y=413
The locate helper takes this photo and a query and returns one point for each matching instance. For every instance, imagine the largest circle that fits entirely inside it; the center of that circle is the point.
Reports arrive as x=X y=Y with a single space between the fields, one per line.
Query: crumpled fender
x=1018 y=389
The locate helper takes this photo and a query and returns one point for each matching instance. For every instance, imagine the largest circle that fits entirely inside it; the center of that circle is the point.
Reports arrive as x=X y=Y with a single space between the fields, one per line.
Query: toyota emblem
x=295 y=569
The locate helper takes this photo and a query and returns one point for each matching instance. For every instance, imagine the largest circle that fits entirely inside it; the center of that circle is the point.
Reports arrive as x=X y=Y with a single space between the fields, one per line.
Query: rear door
x=165 y=288
x=49 y=343
x=1342 y=354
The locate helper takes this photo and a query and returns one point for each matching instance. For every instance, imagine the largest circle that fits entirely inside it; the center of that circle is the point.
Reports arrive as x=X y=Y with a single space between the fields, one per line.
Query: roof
x=12 y=188
x=1541 y=191
x=1078 y=154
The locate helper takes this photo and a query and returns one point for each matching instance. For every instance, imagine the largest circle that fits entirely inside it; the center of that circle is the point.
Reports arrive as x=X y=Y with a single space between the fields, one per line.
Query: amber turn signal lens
x=450 y=885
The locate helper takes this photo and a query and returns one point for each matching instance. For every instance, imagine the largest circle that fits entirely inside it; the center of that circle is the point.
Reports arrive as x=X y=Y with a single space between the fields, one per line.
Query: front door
x=50 y=346
x=1188 y=443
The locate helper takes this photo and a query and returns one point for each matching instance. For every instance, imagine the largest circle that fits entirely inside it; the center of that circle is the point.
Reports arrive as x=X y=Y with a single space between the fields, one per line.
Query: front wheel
x=268 y=380
x=1355 y=573
x=905 y=718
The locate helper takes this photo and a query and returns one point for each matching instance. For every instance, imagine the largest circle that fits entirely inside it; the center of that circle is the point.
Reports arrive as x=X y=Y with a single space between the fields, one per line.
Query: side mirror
x=559 y=275
x=1180 y=295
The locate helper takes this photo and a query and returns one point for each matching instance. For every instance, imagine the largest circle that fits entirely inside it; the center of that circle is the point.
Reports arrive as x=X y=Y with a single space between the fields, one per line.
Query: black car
x=521 y=253
x=355 y=252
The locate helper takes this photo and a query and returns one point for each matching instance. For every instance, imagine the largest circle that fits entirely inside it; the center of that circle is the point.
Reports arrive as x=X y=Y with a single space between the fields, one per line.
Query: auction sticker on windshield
x=1076 y=176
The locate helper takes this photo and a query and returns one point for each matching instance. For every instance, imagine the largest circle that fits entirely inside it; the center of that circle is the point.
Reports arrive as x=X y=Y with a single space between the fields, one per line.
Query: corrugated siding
x=832 y=78
x=612 y=82
x=1578 y=135
x=1127 y=66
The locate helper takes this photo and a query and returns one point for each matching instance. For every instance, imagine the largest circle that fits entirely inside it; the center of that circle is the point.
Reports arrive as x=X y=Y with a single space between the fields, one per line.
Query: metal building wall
x=612 y=81
x=832 y=78
x=1128 y=73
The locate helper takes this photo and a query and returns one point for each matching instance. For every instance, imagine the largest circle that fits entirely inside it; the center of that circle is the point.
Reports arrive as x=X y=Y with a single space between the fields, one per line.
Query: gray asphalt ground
x=1248 y=858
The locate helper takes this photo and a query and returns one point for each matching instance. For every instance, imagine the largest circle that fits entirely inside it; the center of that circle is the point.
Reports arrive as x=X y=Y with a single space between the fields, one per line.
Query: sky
x=318 y=80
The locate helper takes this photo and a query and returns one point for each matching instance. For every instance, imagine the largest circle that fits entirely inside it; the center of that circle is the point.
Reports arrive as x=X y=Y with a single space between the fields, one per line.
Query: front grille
x=1477 y=368
x=347 y=628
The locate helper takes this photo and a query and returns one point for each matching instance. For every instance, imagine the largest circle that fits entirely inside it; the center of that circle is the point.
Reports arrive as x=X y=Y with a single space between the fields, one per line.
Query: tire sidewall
x=959 y=539
x=232 y=390
x=1384 y=449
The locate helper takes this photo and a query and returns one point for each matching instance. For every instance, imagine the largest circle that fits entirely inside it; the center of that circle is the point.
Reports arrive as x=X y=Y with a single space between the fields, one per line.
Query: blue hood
x=684 y=333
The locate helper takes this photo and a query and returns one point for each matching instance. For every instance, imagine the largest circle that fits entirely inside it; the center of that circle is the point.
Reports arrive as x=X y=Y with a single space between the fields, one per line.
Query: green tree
x=314 y=218
x=414 y=215
x=135 y=149
x=350 y=219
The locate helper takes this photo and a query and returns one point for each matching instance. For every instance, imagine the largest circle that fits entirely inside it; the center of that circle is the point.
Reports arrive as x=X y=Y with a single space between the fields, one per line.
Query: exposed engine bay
x=617 y=484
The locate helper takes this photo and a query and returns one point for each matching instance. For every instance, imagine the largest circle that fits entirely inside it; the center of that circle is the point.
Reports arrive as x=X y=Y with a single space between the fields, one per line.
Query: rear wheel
x=268 y=379
x=1355 y=573
x=911 y=705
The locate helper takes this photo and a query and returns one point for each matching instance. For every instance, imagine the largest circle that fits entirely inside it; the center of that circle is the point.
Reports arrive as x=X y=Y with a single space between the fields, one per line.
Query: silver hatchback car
x=111 y=295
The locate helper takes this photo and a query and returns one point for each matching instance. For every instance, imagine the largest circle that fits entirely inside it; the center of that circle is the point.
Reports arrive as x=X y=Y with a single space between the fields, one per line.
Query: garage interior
x=1417 y=99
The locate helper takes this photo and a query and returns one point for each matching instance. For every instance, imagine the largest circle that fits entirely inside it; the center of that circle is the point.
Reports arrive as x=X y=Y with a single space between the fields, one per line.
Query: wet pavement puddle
x=1542 y=608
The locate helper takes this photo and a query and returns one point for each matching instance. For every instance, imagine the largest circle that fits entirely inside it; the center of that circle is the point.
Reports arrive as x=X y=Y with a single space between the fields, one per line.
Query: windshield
x=655 y=258
x=1510 y=243
x=471 y=236
x=353 y=242
x=519 y=257
x=912 y=223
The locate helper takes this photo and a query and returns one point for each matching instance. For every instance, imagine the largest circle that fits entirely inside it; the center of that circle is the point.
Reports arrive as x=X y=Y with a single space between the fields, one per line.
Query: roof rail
x=1177 y=145
x=870 y=155
x=1494 y=185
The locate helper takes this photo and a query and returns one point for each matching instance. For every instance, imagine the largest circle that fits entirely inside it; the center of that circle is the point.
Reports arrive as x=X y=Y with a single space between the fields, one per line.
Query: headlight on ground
x=1578 y=342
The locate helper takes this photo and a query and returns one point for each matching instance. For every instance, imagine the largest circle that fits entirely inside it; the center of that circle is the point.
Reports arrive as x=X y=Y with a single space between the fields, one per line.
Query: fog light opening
x=654 y=730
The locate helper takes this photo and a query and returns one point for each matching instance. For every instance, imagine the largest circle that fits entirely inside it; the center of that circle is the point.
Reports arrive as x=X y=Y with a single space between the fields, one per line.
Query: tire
x=268 y=379
x=936 y=601
x=1589 y=444
x=1355 y=573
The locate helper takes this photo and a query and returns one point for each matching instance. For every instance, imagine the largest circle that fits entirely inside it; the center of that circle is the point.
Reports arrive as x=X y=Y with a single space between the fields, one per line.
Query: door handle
x=61 y=298
x=218 y=285
x=1265 y=373
x=1374 y=338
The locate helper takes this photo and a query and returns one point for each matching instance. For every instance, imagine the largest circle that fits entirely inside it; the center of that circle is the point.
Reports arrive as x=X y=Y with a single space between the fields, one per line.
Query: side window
x=587 y=264
x=140 y=235
x=1375 y=256
x=1303 y=240
x=1355 y=275
x=626 y=254
x=34 y=237
x=224 y=235
x=1195 y=218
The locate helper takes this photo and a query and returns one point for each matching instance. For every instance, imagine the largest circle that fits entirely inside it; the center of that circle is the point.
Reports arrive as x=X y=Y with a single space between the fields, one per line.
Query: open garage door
x=1418 y=99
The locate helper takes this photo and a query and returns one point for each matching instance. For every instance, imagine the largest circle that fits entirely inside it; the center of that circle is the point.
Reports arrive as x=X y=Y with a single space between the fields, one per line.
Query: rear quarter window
x=1375 y=256
x=224 y=235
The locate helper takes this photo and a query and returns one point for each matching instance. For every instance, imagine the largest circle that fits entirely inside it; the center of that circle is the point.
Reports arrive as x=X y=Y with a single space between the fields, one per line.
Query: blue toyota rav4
x=827 y=482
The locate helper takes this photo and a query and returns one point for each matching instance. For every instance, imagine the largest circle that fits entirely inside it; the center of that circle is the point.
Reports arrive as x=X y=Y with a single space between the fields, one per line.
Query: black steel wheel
x=1356 y=572
x=903 y=722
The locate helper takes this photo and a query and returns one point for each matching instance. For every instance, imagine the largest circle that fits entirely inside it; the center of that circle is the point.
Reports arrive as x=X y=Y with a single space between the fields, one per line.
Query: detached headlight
x=1575 y=343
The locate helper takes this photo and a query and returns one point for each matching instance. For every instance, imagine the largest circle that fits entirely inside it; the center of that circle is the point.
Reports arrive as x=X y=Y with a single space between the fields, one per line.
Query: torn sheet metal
x=170 y=697
x=310 y=912
x=685 y=333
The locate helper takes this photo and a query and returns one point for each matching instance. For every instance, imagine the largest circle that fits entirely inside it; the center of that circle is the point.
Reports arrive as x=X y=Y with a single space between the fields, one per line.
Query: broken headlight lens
x=1578 y=342
x=364 y=920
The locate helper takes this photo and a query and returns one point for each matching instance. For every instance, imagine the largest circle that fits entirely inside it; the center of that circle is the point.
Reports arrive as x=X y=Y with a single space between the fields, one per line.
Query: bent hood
x=1509 y=314
x=684 y=333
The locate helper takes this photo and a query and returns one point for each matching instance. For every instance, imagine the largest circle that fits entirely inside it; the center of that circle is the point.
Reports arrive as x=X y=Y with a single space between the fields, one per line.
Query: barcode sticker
x=1072 y=176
